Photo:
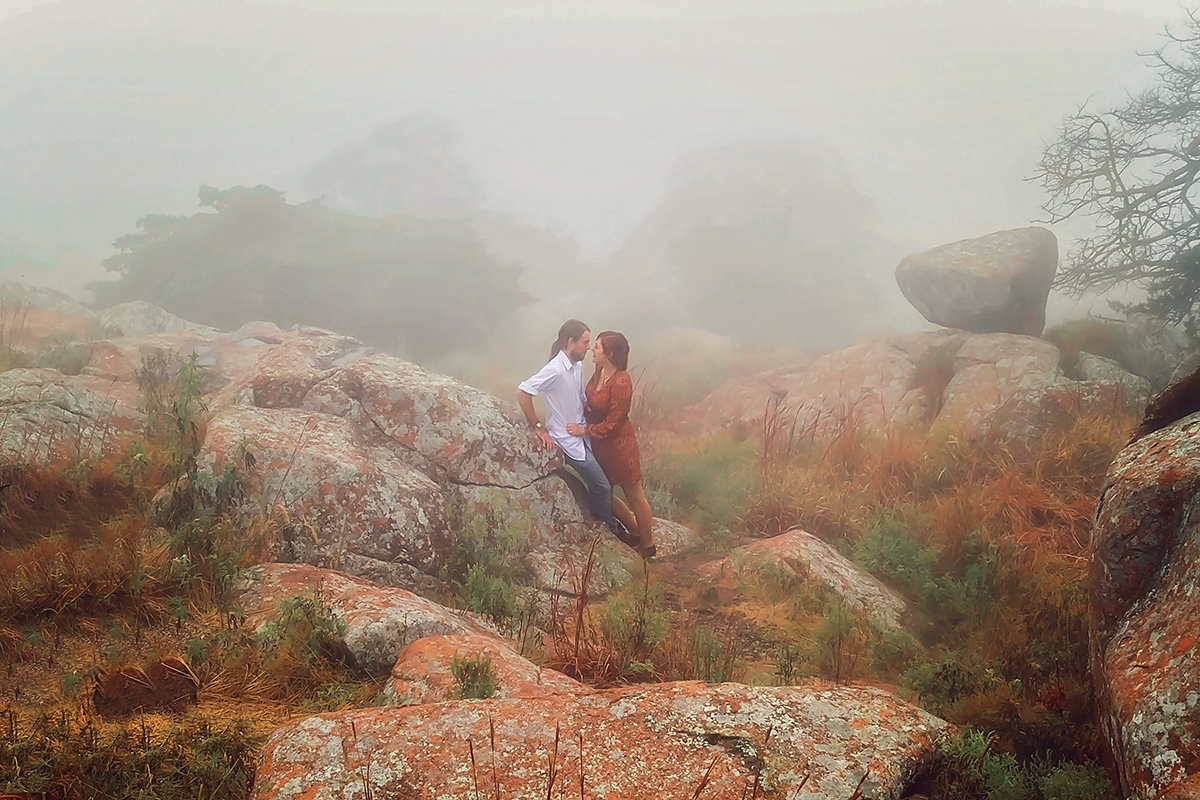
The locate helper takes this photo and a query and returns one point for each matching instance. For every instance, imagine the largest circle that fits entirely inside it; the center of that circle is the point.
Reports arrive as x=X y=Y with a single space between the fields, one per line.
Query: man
x=560 y=383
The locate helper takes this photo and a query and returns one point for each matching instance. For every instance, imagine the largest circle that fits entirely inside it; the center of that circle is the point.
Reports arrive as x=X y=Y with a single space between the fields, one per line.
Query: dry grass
x=1040 y=494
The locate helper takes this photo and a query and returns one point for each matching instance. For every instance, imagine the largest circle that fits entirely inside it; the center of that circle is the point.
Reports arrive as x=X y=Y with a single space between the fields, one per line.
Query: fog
x=604 y=149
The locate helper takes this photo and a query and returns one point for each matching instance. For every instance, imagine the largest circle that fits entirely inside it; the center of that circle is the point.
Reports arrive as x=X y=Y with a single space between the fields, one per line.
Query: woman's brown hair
x=616 y=348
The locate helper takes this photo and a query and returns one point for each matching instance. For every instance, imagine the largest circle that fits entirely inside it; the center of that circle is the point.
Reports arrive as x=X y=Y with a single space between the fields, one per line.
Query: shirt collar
x=565 y=360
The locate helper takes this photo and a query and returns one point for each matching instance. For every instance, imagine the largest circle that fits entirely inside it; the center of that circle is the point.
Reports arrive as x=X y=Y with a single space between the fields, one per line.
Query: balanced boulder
x=994 y=284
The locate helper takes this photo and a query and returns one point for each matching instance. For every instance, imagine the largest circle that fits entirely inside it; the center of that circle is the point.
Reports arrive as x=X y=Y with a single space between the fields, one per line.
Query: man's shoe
x=622 y=533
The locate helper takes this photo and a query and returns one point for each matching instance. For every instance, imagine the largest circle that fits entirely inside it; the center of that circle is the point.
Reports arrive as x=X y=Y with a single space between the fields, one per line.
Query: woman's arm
x=620 y=397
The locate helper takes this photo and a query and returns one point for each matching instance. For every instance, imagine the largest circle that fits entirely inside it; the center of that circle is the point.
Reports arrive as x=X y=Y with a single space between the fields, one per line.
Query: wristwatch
x=538 y=426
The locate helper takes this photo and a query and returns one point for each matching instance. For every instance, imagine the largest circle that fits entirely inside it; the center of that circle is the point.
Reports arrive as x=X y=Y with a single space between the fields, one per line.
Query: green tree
x=1133 y=169
x=423 y=287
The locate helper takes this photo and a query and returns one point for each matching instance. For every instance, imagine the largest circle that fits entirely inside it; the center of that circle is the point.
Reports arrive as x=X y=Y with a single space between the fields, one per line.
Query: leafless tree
x=1134 y=169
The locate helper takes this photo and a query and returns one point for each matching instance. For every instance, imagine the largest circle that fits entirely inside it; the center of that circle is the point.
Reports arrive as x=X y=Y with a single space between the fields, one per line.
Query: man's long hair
x=571 y=329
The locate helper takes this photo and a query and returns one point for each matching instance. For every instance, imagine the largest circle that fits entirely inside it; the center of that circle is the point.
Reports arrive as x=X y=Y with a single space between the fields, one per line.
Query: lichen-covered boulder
x=804 y=555
x=32 y=317
x=222 y=355
x=285 y=373
x=1103 y=370
x=993 y=284
x=48 y=416
x=356 y=506
x=465 y=434
x=664 y=740
x=423 y=673
x=1144 y=569
x=380 y=620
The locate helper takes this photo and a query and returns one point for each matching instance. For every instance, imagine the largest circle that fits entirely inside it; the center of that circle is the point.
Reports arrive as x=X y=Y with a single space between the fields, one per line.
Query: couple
x=591 y=425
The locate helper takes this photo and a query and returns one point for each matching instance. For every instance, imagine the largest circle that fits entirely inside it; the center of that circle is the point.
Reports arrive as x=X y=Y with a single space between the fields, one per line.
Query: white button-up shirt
x=560 y=383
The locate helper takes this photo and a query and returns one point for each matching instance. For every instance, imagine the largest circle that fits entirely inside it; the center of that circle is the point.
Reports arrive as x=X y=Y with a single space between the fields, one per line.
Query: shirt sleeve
x=541 y=381
x=620 y=397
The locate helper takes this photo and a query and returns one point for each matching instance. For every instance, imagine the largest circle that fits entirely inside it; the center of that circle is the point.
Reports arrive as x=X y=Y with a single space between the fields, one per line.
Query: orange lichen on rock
x=664 y=740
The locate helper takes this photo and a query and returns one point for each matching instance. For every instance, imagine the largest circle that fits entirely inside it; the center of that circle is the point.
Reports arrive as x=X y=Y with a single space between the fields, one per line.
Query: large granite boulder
x=743 y=401
x=139 y=318
x=663 y=740
x=993 y=284
x=380 y=620
x=358 y=508
x=1144 y=569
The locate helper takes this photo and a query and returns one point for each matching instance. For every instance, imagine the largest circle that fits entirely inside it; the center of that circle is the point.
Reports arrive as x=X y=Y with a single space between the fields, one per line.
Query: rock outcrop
x=380 y=620
x=1144 y=569
x=1012 y=384
x=804 y=555
x=662 y=740
x=374 y=460
x=993 y=284
x=47 y=416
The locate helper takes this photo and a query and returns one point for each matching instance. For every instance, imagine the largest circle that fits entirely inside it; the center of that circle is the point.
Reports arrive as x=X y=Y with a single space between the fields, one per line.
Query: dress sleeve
x=620 y=396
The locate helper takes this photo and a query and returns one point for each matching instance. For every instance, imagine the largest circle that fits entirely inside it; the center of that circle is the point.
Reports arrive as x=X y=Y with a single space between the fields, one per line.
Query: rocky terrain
x=377 y=465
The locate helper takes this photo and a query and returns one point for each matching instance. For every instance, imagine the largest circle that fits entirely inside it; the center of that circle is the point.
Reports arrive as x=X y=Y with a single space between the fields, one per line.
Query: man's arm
x=525 y=401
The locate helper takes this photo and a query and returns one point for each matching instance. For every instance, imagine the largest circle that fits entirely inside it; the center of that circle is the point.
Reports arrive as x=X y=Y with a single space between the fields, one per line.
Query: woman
x=609 y=394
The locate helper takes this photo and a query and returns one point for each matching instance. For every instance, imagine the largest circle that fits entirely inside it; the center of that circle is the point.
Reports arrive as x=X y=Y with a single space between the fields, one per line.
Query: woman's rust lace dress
x=613 y=441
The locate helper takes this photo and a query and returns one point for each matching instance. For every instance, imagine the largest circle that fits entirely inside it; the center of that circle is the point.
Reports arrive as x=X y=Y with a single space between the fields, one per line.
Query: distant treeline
x=423 y=287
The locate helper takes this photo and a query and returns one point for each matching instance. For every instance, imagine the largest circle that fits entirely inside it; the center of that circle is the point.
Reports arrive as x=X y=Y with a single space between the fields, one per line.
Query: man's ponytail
x=571 y=329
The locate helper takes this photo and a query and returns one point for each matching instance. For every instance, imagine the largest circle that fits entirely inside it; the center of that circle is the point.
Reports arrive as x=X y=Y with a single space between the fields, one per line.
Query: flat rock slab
x=380 y=620
x=662 y=741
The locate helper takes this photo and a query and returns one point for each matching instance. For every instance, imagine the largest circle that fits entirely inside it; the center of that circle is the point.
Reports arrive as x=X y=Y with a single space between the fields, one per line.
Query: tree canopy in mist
x=407 y=167
x=422 y=287
x=760 y=242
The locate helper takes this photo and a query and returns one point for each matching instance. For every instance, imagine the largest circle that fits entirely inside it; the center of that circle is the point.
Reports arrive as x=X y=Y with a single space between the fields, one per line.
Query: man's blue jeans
x=598 y=487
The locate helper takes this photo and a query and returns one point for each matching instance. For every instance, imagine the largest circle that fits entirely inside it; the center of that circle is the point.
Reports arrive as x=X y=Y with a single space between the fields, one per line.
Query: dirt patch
x=167 y=684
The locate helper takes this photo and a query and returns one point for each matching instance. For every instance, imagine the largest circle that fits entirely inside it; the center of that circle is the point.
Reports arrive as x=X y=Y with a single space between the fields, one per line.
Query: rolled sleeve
x=541 y=381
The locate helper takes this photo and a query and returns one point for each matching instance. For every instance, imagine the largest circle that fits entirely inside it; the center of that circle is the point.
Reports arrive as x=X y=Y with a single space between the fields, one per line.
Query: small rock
x=423 y=672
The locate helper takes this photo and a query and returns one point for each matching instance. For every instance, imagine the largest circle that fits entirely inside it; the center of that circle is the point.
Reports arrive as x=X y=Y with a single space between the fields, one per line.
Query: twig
x=553 y=772
x=707 y=773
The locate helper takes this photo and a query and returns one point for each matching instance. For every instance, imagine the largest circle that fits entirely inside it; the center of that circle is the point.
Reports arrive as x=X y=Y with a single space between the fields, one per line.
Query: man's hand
x=544 y=435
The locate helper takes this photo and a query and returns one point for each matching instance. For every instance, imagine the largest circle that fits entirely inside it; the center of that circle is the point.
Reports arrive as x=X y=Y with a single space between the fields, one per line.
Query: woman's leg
x=622 y=512
x=641 y=510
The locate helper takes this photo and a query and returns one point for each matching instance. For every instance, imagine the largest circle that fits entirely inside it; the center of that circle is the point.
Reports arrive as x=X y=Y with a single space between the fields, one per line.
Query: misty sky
x=570 y=114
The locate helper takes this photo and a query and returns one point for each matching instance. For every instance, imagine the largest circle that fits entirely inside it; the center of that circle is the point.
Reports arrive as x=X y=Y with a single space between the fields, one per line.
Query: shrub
x=712 y=477
x=304 y=645
x=483 y=570
x=474 y=676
